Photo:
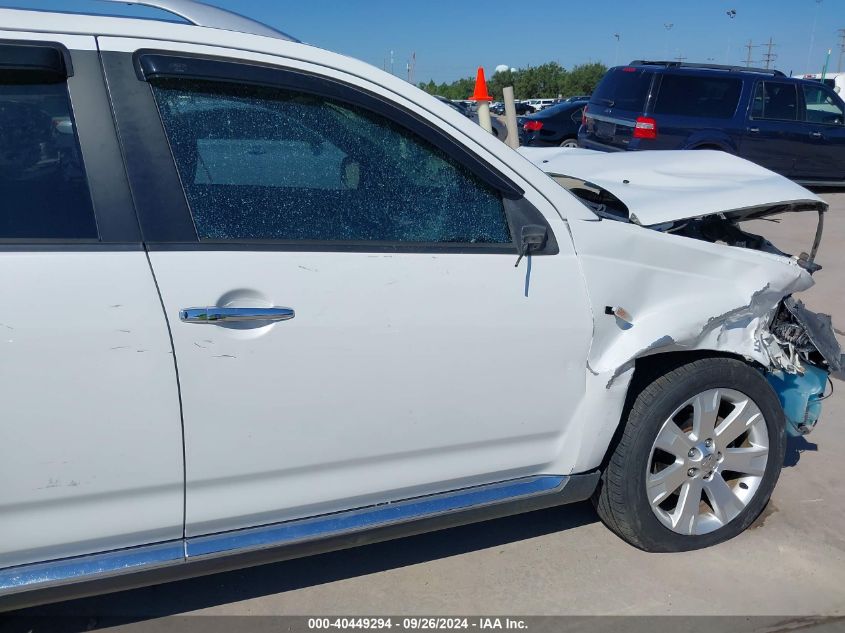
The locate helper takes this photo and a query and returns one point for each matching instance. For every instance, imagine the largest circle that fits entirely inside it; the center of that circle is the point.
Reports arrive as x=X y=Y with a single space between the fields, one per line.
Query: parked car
x=500 y=131
x=521 y=108
x=456 y=105
x=541 y=104
x=524 y=108
x=792 y=126
x=470 y=106
x=554 y=126
x=288 y=303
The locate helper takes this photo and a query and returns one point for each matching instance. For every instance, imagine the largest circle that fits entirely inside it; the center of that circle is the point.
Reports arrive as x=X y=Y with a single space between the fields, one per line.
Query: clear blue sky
x=452 y=37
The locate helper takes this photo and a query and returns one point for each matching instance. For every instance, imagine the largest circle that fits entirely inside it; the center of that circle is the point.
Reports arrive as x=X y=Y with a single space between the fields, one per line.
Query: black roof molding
x=732 y=69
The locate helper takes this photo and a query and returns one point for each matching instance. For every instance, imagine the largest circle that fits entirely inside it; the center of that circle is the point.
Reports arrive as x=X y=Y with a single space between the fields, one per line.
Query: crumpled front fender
x=678 y=294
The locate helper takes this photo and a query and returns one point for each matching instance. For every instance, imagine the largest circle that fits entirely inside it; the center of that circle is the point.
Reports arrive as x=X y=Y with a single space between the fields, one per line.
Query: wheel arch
x=713 y=140
x=649 y=368
x=624 y=497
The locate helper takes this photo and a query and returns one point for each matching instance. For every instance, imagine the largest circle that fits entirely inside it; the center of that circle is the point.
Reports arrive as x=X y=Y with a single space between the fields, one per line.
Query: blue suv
x=792 y=126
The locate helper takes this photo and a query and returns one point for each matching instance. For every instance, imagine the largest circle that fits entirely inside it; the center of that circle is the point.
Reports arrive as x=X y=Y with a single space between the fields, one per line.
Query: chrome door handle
x=816 y=134
x=212 y=315
x=754 y=130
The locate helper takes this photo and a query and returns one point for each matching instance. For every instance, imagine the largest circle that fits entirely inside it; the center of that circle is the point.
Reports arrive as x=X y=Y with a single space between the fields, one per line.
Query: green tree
x=546 y=81
x=583 y=79
x=430 y=87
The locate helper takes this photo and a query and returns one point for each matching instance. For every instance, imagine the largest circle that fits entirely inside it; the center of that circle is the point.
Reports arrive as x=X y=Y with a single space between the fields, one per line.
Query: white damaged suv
x=262 y=300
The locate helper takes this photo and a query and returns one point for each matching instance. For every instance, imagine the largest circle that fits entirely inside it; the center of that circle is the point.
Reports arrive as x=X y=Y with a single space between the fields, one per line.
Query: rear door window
x=624 y=88
x=694 y=95
x=775 y=101
x=823 y=106
x=43 y=187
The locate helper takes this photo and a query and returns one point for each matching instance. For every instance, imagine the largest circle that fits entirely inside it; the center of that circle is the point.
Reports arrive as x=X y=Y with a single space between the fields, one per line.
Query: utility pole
x=750 y=47
x=769 y=57
x=668 y=26
x=813 y=35
x=841 y=49
x=732 y=15
x=680 y=58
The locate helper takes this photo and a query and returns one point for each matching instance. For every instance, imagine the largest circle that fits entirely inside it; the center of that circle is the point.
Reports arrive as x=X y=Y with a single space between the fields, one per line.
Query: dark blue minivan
x=792 y=126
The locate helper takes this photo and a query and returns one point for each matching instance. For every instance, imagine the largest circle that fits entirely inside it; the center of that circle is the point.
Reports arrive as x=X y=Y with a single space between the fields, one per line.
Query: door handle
x=816 y=134
x=213 y=315
x=754 y=130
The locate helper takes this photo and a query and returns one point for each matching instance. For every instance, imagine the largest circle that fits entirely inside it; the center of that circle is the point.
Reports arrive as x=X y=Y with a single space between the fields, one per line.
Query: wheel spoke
x=748 y=461
x=672 y=440
x=725 y=503
x=739 y=420
x=705 y=411
x=661 y=485
x=686 y=512
x=715 y=433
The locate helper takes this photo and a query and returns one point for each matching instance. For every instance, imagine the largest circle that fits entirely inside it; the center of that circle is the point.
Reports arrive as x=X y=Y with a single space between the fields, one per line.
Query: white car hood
x=668 y=186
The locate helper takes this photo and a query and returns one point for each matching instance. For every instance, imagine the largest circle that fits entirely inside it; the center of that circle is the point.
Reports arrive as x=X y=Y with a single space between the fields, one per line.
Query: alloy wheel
x=707 y=462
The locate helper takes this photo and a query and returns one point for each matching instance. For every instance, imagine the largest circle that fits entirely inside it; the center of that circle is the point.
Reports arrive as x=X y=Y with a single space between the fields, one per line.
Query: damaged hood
x=668 y=186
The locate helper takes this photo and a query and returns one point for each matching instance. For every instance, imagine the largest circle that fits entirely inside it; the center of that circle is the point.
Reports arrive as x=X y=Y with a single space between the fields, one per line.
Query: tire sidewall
x=733 y=375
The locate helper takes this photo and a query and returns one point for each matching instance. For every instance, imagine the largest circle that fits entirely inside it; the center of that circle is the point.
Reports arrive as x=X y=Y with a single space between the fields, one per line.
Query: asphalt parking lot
x=563 y=561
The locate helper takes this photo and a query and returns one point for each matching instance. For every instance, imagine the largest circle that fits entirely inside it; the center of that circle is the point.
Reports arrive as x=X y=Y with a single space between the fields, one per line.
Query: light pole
x=618 y=37
x=813 y=36
x=731 y=13
x=668 y=26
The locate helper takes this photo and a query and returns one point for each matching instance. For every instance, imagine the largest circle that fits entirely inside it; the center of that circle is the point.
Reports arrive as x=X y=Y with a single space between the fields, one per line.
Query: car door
x=775 y=137
x=824 y=116
x=339 y=275
x=90 y=438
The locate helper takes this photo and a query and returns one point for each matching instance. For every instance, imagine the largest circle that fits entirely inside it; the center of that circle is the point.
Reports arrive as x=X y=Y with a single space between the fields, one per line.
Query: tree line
x=534 y=82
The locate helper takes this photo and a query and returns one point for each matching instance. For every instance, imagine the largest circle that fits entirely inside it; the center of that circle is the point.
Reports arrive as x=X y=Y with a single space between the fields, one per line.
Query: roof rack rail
x=764 y=71
x=201 y=14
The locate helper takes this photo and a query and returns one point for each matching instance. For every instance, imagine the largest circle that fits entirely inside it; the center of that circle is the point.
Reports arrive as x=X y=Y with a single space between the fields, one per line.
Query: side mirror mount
x=533 y=237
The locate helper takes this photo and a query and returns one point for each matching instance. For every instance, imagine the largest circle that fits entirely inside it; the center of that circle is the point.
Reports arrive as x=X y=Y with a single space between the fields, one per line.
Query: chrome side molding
x=21 y=586
x=371 y=517
x=83 y=568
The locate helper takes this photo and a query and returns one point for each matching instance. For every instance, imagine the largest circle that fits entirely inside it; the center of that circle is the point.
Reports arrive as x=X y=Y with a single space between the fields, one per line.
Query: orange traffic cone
x=481 y=93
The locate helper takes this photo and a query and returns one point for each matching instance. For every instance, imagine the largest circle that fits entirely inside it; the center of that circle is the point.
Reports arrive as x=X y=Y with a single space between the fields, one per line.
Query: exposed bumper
x=801 y=398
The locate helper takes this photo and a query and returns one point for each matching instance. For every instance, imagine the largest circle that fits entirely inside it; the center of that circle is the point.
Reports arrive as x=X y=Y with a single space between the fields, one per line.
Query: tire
x=637 y=460
x=569 y=142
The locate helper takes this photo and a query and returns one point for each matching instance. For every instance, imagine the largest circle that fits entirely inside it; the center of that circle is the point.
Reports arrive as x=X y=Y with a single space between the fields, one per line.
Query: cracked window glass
x=263 y=163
